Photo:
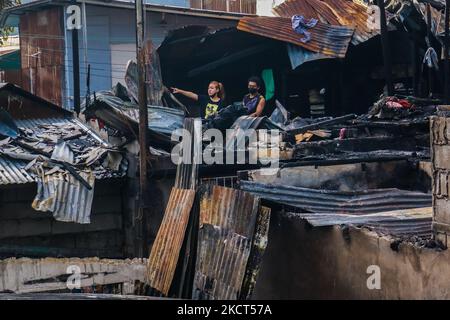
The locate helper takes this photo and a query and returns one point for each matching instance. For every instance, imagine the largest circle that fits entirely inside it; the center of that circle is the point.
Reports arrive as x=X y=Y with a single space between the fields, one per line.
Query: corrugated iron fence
x=239 y=6
x=232 y=238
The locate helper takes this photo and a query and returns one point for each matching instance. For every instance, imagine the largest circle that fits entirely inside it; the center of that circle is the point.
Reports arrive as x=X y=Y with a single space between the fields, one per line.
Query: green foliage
x=6 y=31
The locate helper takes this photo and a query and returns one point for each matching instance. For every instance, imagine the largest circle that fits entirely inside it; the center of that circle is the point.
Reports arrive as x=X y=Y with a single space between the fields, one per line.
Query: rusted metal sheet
x=333 y=201
x=326 y=39
x=239 y=6
x=169 y=240
x=12 y=76
x=22 y=104
x=333 y=12
x=13 y=172
x=229 y=209
x=187 y=171
x=258 y=248
x=42 y=53
x=227 y=225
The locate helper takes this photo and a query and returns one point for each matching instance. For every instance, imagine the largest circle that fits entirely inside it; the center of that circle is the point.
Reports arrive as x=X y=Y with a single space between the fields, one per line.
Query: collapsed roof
x=59 y=153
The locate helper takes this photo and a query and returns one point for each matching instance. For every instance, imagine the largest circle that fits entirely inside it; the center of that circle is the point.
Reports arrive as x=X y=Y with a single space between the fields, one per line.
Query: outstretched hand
x=175 y=90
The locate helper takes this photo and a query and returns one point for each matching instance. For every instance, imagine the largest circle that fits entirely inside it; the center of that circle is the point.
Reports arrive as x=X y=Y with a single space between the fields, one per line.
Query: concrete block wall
x=440 y=156
x=26 y=232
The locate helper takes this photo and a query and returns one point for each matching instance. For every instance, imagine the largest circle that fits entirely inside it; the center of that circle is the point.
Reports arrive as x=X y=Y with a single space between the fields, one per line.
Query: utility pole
x=386 y=49
x=143 y=117
x=76 y=69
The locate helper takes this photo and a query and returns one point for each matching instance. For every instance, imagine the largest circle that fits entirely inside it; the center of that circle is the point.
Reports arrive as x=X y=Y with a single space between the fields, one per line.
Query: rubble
x=26 y=276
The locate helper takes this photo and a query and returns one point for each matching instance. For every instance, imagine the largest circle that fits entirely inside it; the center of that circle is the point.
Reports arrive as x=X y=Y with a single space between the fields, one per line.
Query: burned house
x=62 y=186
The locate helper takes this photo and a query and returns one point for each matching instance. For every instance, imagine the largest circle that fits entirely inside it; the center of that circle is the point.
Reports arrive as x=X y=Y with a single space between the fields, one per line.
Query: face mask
x=252 y=90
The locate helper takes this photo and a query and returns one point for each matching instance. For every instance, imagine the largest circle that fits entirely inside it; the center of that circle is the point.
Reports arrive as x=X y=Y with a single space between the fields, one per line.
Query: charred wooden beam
x=322 y=124
x=386 y=49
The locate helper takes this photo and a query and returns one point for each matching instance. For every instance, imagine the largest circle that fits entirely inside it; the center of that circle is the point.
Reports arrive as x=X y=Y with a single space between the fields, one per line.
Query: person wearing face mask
x=254 y=102
x=210 y=104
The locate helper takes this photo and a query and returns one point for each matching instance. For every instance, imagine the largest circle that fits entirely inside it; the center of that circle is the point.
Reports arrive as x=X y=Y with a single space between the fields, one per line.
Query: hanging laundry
x=431 y=59
x=300 y=24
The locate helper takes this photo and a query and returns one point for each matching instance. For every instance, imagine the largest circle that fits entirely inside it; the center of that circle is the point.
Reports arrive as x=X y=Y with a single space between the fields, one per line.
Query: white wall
x=264 y=7
x=120 y=55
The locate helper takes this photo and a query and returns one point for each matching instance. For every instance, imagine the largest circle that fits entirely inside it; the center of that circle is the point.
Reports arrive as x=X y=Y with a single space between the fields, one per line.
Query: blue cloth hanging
x=300 y=24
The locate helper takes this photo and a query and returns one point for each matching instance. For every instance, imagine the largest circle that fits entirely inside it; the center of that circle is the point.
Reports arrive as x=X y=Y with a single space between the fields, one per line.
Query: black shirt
x=208 y=106
x=251 y=104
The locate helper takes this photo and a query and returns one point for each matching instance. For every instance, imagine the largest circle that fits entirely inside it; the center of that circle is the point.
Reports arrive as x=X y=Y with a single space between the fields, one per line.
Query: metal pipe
x=386 y=49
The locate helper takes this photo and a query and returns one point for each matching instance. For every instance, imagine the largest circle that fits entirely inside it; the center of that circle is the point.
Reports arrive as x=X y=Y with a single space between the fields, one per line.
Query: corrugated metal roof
x=34 y=123
x=12 y=170
x=399 y=223
x=187 y=170
x=326 y=39
x=169 y=240
x=332 y=201
x=334 y=12
x=227 y=225
x=123 y=116
x=63 y=195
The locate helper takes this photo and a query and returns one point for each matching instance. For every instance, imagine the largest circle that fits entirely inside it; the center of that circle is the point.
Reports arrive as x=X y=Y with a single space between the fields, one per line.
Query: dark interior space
x=192 y=57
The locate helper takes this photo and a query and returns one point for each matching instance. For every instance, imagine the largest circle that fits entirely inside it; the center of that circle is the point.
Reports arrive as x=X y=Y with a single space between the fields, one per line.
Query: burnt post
x=446 y=62
x=429 y=35
x=143 y=119
x=415 y=67
x=386 y=49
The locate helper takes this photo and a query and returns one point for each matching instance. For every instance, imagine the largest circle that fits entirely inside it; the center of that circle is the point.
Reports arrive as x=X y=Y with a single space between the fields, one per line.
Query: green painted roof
x=10 y=60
